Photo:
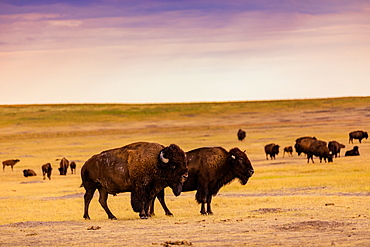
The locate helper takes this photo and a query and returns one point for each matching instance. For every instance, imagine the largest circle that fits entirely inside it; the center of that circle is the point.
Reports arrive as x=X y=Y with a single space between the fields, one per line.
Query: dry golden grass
x=286 y=202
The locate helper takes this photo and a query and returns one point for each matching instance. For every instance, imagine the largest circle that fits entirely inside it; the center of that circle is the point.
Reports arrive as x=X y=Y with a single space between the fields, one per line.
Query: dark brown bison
x=73 y=167
x=359 y=134
x=288 y=150
x=10 y=163
x=241 y=135
x=335 y=148
x=318 y=148
x=303 y=143
x=352 y=152
x=209 y=170
x=142 y=168
x=29 y=173
x=46 y=170
x=271 y=149
x=63 y=167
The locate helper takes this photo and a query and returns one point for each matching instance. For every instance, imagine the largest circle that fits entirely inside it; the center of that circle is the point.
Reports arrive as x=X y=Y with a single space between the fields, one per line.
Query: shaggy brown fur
x=209 y=170
x=141 y=168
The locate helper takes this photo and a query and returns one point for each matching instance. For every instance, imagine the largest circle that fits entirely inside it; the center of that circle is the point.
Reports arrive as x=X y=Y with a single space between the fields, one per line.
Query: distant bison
x=319 y=148
x=46 y=170
x=241 y=135
x=73 y=167
x=29 y=173
x=10 y=163
x=142 y=168
x=359 y=134
x=335 y=148
x=63 y=166
x=211 y=168
x=303 y=143
x=288 y=150
x=271 y=149
x=353 y=152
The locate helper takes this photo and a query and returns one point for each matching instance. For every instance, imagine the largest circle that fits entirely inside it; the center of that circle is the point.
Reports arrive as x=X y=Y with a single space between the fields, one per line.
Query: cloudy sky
x=125 y=51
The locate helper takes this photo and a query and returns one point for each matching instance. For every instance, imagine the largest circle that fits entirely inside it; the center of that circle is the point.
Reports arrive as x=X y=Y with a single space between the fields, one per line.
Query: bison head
x=241 y=166
x=172 y=161
x=25 y=173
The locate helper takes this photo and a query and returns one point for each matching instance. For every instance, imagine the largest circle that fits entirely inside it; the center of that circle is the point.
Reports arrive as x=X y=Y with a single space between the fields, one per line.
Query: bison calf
x=10 y=163
x=272 y=150
x=289 y=151
x=73 y=167
x=46 y=170
x=29 y=173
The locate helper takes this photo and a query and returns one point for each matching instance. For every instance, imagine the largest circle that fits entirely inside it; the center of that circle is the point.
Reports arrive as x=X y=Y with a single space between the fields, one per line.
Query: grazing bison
x=209 y=170
x=241 y=135
x=63 y=168
x=272 y=150
x=319 y=148
x=10 y=163
x=359 y=134
x=142 y=168
x=46 y=170
x=335 y=147
x=288 y=150
x=352 y=152
x=303 y=143
x=29 y=173
x=73 y=167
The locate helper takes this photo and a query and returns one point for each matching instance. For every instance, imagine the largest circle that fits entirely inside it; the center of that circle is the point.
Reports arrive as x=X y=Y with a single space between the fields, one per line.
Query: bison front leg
x=103 y=197
x=160 y=197
x=201 y=197
x=209 y=210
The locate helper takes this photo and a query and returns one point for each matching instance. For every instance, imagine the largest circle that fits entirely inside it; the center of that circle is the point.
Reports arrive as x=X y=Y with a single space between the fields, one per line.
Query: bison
x=303 y=143
x=352 y=152
x=29 y=173
x=10 y=163
x=359 y=134
x=73 y=167
x=241 y=135
x=319 y=148
x=335 y=147
x=288 y=150
x=46 y=170
x=142 y=168
x=63 y=167
x=271 y=149
x=210 y=168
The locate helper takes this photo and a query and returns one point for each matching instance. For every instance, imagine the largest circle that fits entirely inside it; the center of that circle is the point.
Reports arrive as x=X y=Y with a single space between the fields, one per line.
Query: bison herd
x=46 y=168
x=146 y=169
x=311 y=147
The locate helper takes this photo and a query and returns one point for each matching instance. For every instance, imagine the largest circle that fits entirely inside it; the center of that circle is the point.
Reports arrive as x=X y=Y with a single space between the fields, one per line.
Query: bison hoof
x=86 y=217
x=169 y=214
x=143 y=217
x=112 y=217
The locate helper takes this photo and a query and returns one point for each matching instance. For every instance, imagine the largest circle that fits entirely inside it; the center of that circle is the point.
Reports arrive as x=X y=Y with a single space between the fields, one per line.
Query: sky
x=164 y=51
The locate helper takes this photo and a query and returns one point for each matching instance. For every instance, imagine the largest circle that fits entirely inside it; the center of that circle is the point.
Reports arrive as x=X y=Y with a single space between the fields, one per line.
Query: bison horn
x=233 y=157
x=163 y=159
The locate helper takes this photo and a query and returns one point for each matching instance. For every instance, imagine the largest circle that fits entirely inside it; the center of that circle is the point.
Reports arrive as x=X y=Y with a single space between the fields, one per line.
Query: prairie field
x=287 y=201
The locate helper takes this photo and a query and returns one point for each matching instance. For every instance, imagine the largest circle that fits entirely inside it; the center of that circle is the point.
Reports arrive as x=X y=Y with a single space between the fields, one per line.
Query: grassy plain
x=287 y=201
